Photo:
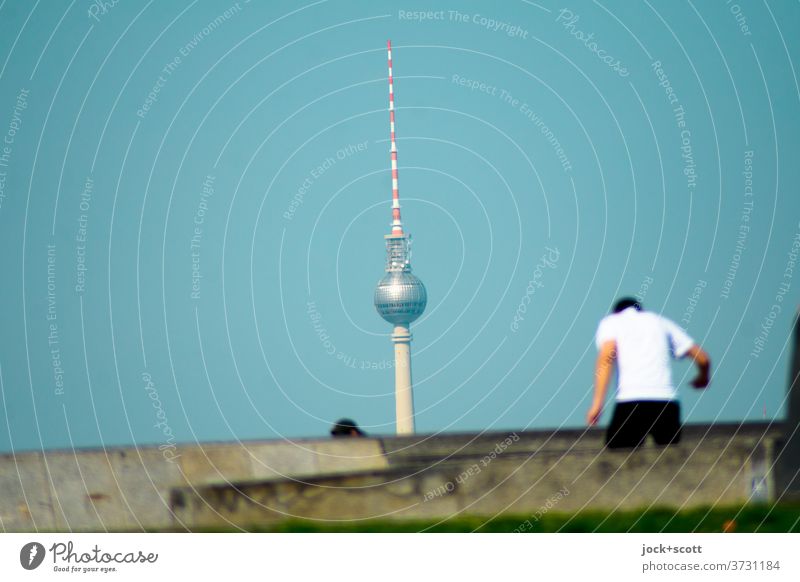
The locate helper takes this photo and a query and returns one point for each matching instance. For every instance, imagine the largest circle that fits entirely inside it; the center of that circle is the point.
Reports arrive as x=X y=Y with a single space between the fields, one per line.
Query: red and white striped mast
x=397 y=225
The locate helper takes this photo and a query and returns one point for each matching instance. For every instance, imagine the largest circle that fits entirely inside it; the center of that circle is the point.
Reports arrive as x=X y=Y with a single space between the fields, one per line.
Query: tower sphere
x=400 y=297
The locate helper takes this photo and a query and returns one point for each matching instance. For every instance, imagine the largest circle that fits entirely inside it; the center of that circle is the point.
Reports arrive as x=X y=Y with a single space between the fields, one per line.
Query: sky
x=193 y=198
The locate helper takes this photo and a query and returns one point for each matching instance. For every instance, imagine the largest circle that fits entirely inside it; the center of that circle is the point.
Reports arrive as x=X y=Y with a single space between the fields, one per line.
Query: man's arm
x=604 y=367
x=703 y=363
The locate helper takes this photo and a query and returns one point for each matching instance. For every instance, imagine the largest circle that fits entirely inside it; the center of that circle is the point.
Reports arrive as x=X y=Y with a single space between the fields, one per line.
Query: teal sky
x=193 y=198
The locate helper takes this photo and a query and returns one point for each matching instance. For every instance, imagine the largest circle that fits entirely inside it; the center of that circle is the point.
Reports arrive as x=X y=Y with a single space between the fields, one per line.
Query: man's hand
x=593 y=416
x=703 y=363
x=701 y=380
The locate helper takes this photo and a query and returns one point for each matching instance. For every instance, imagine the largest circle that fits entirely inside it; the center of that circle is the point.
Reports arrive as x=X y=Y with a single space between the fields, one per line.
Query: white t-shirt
x=645 y=342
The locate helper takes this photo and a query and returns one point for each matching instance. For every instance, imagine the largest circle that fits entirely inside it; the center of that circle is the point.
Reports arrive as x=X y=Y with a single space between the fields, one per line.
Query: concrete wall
x=444 y=476
x=400 y=477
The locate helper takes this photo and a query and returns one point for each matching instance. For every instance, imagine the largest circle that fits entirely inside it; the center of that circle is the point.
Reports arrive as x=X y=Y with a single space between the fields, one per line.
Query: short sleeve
x=679 y=340
x=605 y=332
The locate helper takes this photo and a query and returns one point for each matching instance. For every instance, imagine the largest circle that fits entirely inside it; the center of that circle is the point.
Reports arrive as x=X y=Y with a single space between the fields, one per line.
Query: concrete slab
x=214 y=463
x=25 y=501
x=349 y=454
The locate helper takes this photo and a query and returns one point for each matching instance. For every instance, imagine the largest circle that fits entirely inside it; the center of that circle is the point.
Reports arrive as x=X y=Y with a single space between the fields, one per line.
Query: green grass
x=780 y=518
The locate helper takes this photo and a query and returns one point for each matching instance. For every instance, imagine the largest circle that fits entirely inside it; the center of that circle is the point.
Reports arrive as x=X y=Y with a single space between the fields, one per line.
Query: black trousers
x=633 y=421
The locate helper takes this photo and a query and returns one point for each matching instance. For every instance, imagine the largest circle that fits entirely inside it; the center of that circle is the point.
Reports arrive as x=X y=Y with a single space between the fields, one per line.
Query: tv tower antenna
x=400 y=296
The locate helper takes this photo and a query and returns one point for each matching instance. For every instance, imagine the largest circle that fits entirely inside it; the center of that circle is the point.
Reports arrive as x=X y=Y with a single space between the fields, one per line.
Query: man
x=640 y=343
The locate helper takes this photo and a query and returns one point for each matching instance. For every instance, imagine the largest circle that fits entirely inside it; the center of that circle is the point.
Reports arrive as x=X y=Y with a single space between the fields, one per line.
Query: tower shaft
x=404 y=395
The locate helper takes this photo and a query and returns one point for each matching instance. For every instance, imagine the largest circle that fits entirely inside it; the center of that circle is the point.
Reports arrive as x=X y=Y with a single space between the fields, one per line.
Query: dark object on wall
x=345 y=427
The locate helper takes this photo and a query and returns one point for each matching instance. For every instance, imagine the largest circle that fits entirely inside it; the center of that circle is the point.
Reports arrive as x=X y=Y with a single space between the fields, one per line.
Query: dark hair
x=626 y=302
x=346 y=427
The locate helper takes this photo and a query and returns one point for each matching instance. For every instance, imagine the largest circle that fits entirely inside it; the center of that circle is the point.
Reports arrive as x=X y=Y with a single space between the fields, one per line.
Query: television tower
x=400 y=296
